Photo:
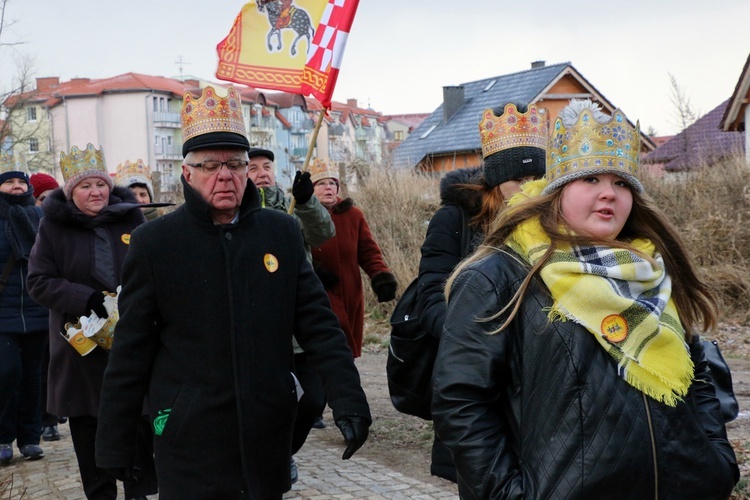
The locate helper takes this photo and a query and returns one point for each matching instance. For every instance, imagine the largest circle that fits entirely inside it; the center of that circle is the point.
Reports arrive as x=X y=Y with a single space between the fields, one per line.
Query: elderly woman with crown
x=568 y=365
x=23 y=322
x=75 y=263
x=339 y=259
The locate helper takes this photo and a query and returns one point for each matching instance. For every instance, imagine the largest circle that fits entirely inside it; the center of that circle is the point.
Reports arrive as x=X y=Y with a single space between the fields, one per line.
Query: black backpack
x=412 y=350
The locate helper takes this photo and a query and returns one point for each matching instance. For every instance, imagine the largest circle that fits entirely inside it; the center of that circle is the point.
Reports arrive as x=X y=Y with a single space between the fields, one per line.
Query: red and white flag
x=294 y=46
x=324 y=57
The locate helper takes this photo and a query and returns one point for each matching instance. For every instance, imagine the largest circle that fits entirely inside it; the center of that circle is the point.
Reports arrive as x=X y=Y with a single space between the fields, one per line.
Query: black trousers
x=97 y=485
x=312 y=403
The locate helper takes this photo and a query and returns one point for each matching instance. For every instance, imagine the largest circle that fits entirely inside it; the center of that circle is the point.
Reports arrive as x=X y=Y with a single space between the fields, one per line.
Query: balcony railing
x=168 y=153
x=165 y=119
x=301 y=152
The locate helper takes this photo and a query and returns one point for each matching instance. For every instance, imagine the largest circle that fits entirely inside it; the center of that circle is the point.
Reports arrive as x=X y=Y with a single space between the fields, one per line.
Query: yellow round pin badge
x=125 y=238
x=614 y=328
x=271 y=263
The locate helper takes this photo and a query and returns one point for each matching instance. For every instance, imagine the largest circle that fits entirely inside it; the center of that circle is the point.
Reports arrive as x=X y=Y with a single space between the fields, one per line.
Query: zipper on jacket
x=653 y=445
x=23 y=282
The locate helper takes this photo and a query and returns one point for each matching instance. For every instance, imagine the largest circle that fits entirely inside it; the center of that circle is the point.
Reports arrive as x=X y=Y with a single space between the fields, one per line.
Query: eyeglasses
x=211 y=167
x=327 y=183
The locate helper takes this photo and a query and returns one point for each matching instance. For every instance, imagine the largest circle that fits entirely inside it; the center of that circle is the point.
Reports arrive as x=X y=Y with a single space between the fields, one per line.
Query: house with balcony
x=129 y=116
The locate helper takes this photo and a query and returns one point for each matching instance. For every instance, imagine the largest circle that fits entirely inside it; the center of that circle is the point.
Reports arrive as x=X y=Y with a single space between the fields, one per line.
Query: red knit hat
x=43 y=182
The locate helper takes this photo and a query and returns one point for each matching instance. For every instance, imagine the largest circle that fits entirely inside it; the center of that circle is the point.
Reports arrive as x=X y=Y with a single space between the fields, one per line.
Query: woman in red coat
x=337 y=261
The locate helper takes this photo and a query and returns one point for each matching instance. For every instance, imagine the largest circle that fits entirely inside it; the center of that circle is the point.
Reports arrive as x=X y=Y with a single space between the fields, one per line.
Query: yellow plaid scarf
x=624 y=301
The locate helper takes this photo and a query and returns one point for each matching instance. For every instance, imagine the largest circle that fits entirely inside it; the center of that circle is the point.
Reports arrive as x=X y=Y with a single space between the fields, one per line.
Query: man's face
x=261 y=171
x=222 y=190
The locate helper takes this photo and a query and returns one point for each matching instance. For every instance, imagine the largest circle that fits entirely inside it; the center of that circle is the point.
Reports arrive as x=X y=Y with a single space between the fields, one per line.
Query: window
x=33 y=145
x=156 y=104
x=398 y=135
x=31 y=113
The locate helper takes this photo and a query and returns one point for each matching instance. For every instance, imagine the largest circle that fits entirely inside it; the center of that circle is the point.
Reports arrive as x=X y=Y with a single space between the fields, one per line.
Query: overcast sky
x=402 y=52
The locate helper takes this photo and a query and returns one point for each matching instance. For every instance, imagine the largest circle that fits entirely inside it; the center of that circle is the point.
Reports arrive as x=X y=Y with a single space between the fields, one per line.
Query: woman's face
x=91 y=195
x=14 y=186
x=326 y=191
x=597 y=205
x=141 y=194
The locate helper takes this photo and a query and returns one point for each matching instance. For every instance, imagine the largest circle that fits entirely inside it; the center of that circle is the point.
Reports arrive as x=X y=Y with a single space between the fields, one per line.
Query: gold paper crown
x=128 y=169
x=212 y=113
x=8 y=163
x=323 y=168
x=80 y=161
x=513 y=129
x=589 y=146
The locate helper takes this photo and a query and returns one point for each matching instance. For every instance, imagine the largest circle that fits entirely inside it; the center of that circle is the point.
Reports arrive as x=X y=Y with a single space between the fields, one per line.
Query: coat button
x=228 y=236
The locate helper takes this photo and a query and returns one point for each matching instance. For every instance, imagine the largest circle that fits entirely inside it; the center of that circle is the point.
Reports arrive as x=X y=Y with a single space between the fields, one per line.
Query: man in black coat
x=212 y=295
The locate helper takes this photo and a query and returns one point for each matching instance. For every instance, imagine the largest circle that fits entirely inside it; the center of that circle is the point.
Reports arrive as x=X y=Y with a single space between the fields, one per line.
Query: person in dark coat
x=213 y=294
x=23 y=322
x=43 y=185
x=82 y=242
x=338 y=260
x=470 y=199
x=317 y=227
x=573 y=326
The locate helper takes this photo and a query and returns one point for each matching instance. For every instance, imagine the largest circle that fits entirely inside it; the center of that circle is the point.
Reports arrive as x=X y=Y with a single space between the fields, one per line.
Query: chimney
x=48 y=83
x=352 y=103
x=453 y=99
x=537 y=64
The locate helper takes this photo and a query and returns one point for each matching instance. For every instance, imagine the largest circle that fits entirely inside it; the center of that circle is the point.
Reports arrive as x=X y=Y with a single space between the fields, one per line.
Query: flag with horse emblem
x=293 y=46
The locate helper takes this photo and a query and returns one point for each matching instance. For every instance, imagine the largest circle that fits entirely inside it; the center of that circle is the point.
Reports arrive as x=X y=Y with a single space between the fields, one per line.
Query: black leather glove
x=302 y=187
x=326 y=277
x=384 y=285
x=355 y=431
x=96 y=304
x=123 y=473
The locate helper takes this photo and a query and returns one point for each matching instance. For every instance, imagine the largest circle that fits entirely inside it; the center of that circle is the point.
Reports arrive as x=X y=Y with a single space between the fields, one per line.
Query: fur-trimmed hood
x=452 y=193
x=59 y=209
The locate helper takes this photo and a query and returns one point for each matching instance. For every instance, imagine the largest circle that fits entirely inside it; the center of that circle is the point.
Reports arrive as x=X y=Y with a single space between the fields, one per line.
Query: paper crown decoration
x=9 y=163
x=591 y=147
x=212 y=120
x=513 y=129
x=134 y=173
x=80 y=164
x=323 y=168
x=136 y=169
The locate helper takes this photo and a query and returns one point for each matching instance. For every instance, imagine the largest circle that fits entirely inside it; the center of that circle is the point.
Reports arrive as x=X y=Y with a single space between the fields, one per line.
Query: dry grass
x=710 y=207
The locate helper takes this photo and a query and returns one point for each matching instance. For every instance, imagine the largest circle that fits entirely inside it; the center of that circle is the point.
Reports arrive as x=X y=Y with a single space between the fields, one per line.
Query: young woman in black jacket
x=568 y=367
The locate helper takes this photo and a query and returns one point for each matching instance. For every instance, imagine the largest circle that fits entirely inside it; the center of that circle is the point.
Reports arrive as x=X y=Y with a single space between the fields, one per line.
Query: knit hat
x=267 y=153
x=134 y=173
x=586 y=141
x=513 y=143
x=82 y=164
x=43 y=182
x=323 y=168
x=213 y=121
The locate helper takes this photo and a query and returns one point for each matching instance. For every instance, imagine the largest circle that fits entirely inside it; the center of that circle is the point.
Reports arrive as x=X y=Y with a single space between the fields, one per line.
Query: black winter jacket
x=441 y=250
x=539 y=411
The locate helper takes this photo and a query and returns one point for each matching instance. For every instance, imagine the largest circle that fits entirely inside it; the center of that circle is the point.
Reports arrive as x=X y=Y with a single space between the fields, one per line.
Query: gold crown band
x=590 y=146
x=212 y=113
x=513 y=129
x=9 y=163
x=323 y=168
x=79 y=161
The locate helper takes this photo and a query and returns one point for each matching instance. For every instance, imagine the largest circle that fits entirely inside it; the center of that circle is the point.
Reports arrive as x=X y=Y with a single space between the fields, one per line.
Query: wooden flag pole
x=313 y=142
